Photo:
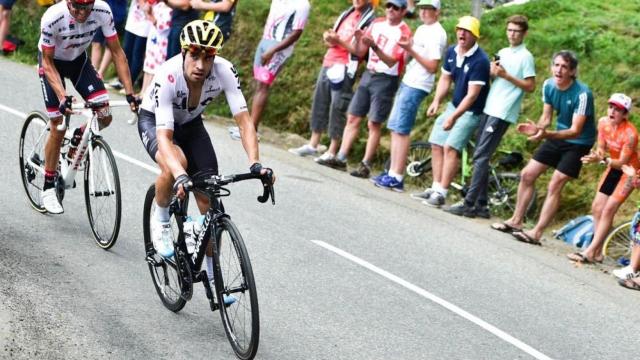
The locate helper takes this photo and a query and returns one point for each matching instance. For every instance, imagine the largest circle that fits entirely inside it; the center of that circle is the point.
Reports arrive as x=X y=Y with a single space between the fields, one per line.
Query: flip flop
x=522 y=236
x=504 y=227
x=629 y=284
x=579 y=257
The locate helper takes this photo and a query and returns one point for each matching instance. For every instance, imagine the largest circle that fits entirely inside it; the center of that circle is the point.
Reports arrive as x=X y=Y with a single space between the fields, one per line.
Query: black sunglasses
x=392 y=6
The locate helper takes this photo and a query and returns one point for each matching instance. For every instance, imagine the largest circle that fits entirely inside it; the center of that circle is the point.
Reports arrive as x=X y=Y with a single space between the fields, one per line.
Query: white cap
x=620 y=100
x=434 y=3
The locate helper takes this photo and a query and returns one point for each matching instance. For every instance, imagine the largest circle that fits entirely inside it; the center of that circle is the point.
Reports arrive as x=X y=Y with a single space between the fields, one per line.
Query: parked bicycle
x=502 y=187
x=93 y=156
x=618 y=244
x=174 y=277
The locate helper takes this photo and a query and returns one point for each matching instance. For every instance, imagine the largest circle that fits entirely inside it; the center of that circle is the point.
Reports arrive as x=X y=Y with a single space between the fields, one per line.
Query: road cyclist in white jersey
x=66 y=30
x=171 y=128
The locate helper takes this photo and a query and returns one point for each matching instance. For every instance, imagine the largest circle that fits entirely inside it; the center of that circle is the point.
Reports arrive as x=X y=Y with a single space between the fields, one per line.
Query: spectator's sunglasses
x=197 y=51
x=392 y=6
x=80 y=6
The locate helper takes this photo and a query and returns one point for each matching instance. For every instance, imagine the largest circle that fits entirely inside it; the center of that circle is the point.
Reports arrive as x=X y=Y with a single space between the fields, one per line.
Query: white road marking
x=118 y=154
x=447 y=305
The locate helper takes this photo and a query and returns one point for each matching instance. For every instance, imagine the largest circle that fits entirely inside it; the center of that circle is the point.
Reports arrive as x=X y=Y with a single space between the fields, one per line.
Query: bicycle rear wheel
x=618 y=243
x=102 y=194
x=418 y=166
x=503 y=193
x=164 y=272
x=31 y=152
x=241 y=319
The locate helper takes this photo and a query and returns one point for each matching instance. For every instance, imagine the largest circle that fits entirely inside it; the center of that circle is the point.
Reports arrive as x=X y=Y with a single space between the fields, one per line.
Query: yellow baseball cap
x=470 y=23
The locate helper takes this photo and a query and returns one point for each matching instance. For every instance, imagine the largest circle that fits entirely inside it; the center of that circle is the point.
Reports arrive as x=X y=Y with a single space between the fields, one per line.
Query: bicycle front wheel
x=31 y=152
x=241 y=319
x=102 y=194
x=618 y=243
x=164 y=272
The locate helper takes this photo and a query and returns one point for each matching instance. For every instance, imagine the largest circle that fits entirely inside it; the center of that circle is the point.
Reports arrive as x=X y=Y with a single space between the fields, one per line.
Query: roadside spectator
x=374 y=95
x=286 y=20
x=574 y=134
x=182 y=14
x=618 y=136
x=334 y=87
x=468 y=67
x=136 y=31
x=513 y=72
x=426 y=48
x=220 y=12
x=629 y=276
x=100 y=60
x=159 y=14
x=5 y=20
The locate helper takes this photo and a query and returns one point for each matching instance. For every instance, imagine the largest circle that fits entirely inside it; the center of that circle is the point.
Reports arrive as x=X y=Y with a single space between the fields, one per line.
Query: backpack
x=577 y=232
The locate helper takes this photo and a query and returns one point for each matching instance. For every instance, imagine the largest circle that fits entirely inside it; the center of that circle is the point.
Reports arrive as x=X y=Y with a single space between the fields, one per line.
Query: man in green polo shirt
x=513 y=72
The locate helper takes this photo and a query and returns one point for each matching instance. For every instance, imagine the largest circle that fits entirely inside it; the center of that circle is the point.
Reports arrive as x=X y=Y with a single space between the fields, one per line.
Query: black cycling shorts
x=191 y=137
x=610 y=182
x=83 y=76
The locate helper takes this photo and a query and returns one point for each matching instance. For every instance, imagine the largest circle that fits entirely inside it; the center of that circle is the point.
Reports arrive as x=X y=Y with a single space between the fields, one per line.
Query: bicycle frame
x=68 y=171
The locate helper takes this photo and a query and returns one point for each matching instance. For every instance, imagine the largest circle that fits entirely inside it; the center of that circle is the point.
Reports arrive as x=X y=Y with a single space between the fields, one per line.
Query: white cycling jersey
x=168 y=94
x=59 y=30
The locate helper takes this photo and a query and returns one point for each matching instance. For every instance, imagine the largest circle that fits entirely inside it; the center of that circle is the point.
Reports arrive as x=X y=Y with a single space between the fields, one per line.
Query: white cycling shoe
x=50 y=201
x=162 y=238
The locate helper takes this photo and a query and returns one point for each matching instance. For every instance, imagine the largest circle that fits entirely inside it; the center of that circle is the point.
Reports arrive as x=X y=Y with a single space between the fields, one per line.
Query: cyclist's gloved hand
x=257 y=168
x=65 y=105
x=183 y=182
x=133 y=102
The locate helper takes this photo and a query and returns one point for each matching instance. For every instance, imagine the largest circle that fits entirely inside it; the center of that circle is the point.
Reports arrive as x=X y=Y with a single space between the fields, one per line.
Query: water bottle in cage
x=74 y=142
x=191 y=230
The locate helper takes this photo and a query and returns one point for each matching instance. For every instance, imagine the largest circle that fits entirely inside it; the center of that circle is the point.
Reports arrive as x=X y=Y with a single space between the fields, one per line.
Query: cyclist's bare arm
x=52 y=74
x=120 y=61
x=248 y=136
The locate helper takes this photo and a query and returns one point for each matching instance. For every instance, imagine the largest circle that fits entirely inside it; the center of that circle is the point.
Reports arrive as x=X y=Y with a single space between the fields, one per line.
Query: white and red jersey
x=60 y=31
x=386 y=37
x=285 y=16
x=168 y=94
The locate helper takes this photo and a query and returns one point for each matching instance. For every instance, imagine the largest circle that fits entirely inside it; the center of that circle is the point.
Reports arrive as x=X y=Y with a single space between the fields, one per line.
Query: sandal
x=581 y=258
x=629 y=284
x=504 y=227
x=522 y=236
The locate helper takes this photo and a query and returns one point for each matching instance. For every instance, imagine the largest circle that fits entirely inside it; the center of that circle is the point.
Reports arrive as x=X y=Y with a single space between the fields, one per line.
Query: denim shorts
x=458 y=136
x=405 y=109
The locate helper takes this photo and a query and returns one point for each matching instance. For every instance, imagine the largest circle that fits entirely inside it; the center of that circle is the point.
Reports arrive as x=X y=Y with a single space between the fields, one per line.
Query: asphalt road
x=344 y=271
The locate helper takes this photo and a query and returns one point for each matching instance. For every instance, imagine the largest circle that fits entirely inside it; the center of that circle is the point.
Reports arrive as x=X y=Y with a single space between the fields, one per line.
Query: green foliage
x=25 y=24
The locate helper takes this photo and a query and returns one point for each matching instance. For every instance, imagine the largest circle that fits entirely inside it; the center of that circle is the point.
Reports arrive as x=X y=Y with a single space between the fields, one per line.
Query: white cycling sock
x=209 y=260
x=161 y=214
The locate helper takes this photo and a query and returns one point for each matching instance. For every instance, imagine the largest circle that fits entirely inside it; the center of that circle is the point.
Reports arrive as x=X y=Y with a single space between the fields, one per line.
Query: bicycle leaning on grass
x=502 y=187
x=173 y=277
x=92 y=156
x=619 y=242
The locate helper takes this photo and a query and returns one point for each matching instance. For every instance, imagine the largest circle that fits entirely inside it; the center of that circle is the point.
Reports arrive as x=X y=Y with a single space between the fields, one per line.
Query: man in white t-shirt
x=426 y=48
x=378 y=85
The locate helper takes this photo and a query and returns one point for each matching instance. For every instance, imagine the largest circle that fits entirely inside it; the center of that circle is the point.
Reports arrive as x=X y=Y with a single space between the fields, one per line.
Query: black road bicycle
x=174 y=277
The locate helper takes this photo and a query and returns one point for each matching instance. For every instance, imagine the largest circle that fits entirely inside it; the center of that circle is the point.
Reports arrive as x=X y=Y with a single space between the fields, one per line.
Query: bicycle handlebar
x=78 y=107
x=205 y=181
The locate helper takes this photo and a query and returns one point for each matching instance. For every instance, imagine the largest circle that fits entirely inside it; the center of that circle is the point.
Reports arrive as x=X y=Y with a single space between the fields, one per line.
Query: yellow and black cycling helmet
x=201 y=33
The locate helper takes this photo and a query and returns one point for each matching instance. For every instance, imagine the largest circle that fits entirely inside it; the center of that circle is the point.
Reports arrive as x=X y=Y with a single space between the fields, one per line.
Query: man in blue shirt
x=468 y=67
x=513 y=72
x=573 y=137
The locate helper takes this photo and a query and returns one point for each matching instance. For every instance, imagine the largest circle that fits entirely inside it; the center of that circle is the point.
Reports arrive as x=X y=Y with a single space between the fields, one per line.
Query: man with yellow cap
x=467 y=66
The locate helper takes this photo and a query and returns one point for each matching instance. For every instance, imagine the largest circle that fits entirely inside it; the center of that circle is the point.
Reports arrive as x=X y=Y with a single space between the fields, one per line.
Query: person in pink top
x=335 y=82
x=374 y=96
